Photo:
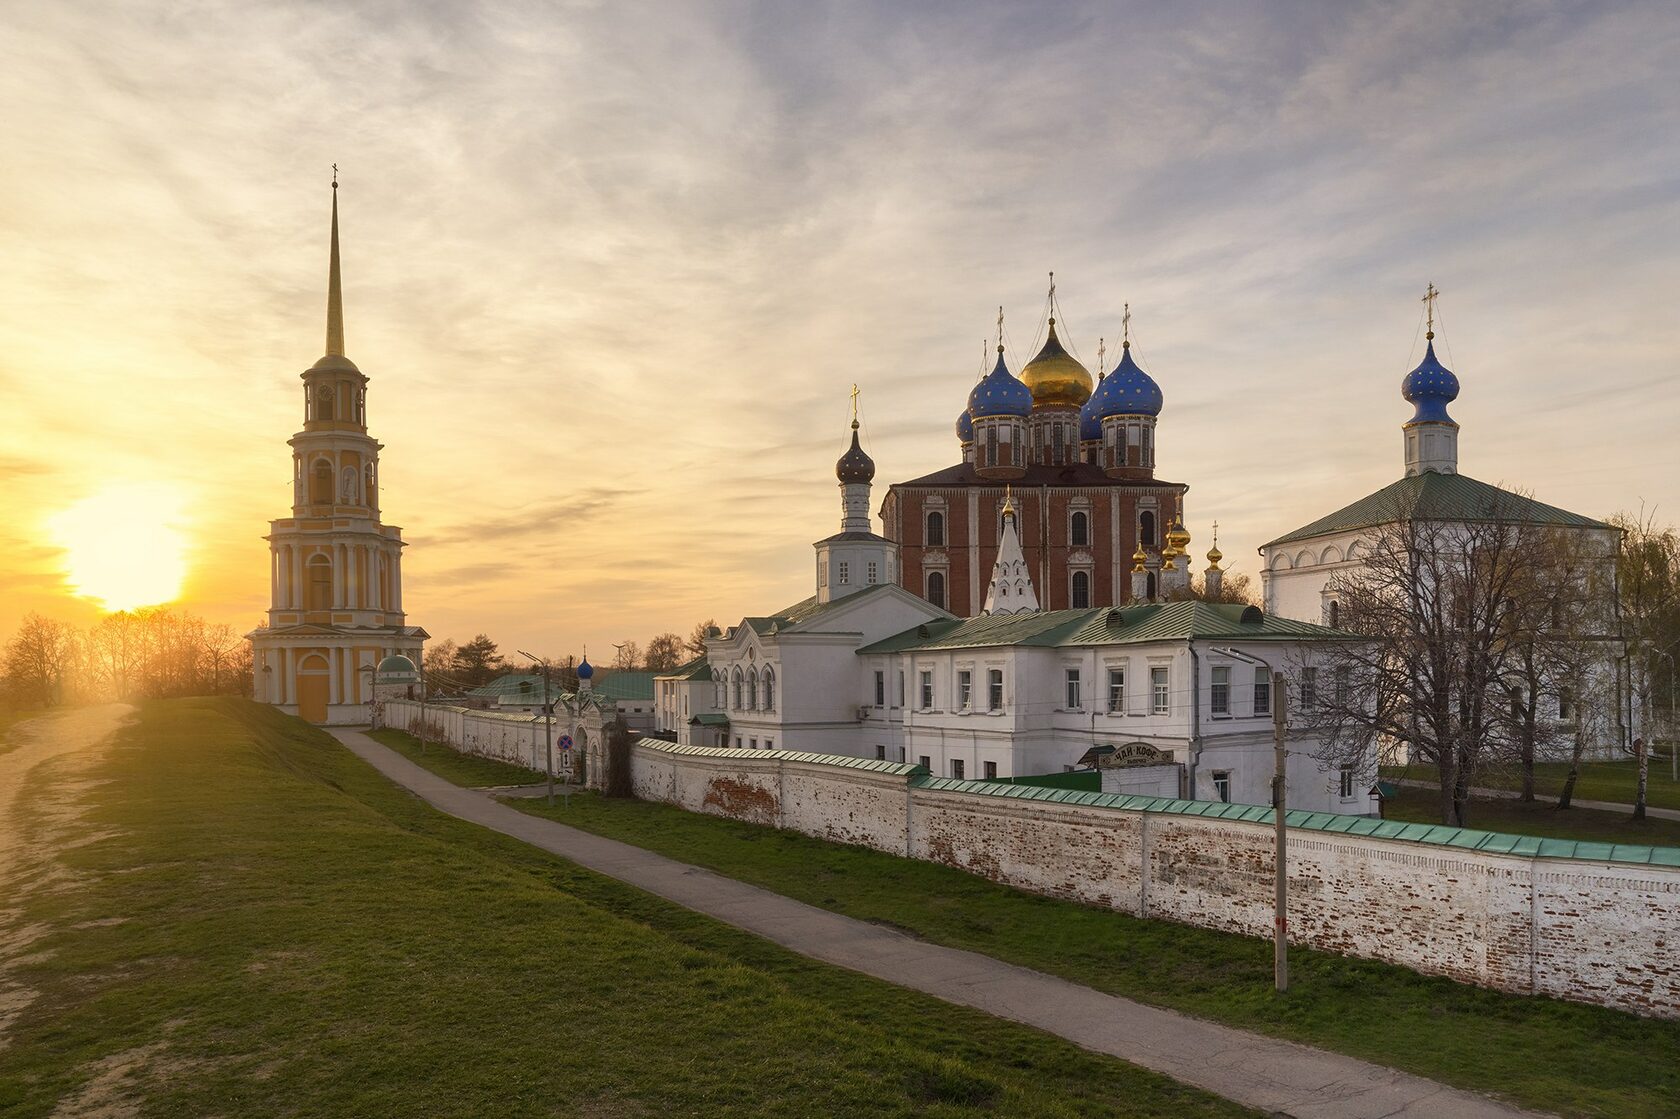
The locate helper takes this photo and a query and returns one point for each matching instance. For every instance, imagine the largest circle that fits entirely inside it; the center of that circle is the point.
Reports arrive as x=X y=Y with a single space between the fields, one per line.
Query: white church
x=1167 y=699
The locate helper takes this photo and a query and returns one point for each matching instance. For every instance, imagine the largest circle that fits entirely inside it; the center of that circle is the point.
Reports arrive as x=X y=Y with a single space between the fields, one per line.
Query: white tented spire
x=1011 y=591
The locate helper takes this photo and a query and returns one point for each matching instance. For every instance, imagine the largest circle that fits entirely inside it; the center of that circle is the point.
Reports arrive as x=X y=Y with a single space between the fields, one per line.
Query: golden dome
x=1055 y=378
x=1215 y=555
x=1139 y=557
x=1178 y=537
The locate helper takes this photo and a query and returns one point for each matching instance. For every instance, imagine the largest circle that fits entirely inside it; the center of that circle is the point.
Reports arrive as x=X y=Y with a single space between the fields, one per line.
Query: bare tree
x=38 y=658
x=626 y=656
x=1648 y=578
x=1436 y=600
x=1234 y=587
x=664 y=652
x=697 y=636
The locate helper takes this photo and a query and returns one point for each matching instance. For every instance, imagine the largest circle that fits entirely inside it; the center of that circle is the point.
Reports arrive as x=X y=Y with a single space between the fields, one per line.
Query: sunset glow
x=123 y=547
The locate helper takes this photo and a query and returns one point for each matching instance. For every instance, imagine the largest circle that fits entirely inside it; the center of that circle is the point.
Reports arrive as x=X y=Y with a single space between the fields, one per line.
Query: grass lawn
x=1550 y=1055
x=1539 y=818
x=245 y=920
x=1612 y=781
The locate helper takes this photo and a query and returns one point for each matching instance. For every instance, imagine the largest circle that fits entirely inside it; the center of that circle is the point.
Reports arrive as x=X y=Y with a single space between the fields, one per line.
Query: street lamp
x=1280 y=828
x=548 y=720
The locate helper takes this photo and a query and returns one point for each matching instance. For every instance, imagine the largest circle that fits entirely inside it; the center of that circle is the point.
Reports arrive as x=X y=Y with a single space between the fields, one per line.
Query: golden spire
x=1214 y=554
x=1429 y=298
x=335 y=295
x=1139 y=557
x=1008 y=501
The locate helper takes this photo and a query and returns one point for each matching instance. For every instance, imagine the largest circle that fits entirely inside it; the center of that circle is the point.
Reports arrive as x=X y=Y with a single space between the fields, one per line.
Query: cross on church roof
x=1429 y=298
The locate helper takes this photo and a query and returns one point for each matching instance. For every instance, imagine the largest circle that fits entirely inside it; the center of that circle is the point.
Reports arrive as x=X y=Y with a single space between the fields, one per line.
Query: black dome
x=854 y=465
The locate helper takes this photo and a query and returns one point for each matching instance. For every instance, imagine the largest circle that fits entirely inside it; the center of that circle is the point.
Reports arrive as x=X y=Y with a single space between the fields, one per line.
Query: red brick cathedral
x=1080 y=465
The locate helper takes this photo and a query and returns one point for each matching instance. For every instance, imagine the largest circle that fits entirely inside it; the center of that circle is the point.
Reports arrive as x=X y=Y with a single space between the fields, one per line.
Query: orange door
x=312 y=689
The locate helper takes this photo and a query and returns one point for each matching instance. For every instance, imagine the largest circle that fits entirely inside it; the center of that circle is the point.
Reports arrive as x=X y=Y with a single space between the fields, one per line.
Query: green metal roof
x=697 y=669
x=840 y=761
x=1439 y=497
x=710 y=719
x=515 y=683
x=1172 y=621
x=625 y=685
x=806 y=609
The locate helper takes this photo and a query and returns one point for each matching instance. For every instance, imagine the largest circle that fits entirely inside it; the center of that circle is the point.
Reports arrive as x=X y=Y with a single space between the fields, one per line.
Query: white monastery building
x=1167 y=698
x=336 y=606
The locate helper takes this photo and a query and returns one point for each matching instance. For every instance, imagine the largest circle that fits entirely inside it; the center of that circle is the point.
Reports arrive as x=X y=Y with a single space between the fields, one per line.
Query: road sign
x=565 y=742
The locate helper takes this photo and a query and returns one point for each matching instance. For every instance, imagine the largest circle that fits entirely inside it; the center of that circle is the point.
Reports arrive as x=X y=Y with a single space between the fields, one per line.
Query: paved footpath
x=1276 y=1077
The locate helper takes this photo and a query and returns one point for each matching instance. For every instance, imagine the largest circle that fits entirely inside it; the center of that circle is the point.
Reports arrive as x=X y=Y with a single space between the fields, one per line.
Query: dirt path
x=48 y=763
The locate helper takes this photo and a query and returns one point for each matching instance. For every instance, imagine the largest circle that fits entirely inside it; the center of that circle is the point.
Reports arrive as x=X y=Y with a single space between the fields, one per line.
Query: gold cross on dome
x=1000 y=326
x=854 y=403
x=1126 y=326
x=1429 y=299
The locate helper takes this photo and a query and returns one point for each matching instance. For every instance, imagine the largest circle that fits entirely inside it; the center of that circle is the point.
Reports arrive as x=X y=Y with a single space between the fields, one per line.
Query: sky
x=612 y=270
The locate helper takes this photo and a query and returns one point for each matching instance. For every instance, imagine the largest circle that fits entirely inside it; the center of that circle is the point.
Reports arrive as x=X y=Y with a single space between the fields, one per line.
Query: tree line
x=153 y=653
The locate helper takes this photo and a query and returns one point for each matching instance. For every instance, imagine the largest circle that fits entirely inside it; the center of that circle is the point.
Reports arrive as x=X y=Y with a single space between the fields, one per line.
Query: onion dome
x=965 y=427
x=854 y=465
x=1139 y=557
x=1215 y=555
x=1090 y=420
x=999 y=394
x=1055 y=378
x=1127 y=391
x=1178 y=538
x=1431 y=386
x=585 y=669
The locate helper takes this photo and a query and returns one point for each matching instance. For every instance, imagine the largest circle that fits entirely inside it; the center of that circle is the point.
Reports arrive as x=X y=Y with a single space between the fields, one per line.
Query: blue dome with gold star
x=1431 y=387
x=585 y=670
x=1090 y=421
x=1127 y=391
x=965 y=427
x=999 y=393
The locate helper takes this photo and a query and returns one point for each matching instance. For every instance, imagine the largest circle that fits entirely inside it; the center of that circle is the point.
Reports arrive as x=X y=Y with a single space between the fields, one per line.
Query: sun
x=123 y=546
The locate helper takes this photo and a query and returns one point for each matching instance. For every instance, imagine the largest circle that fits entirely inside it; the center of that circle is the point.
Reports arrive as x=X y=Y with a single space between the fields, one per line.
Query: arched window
x=936 y=588
x=318 y=586
x=936 y=530
x=1149 y=587
x=1081 y=589
x=769 y=688
x=991 y=445
x=739 y=694
x=321 y=483
x=1334 y=616
x=1079 y=530
x=1146 y=531
x=349 y=490
x=324 y=403
x=1119 y=445
x=752 y=690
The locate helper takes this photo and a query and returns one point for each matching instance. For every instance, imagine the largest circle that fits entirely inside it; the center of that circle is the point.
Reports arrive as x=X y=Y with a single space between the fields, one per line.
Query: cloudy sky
x=613 y=268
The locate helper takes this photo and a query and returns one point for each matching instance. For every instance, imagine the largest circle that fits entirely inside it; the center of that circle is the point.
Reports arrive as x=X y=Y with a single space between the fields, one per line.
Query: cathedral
x=335 y=572
x=1074 y=462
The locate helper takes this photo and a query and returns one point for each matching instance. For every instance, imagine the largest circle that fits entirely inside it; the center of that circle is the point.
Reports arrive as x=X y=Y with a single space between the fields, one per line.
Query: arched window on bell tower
x=321 y=483
x=1146 y=530
x=318 y=588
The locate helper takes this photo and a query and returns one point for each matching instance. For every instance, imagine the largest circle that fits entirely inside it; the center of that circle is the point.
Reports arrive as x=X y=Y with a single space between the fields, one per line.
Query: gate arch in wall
x=313 y=679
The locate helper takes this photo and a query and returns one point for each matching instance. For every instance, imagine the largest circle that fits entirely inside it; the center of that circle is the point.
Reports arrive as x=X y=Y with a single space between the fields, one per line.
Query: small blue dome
x=1127 y=391
x=1431 y=386
x=1090 y=423
x=965 y=427
x=585 y=670
x=999 y=393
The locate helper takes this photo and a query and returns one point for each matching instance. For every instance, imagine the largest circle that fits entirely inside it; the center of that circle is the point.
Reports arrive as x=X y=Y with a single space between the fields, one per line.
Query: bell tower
x=335 y=573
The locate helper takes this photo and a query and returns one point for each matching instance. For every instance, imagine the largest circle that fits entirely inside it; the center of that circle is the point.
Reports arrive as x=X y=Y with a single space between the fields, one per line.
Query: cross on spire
x=1000 y=328
x=854 y=405
x=335 y=176
x=1429 y=299
x=1126 y=327
x=1102 y=350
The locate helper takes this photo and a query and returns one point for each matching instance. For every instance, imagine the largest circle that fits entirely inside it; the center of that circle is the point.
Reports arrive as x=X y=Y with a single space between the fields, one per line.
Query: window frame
x=1160 y=689
x=1116 y=689
x=1219 y=689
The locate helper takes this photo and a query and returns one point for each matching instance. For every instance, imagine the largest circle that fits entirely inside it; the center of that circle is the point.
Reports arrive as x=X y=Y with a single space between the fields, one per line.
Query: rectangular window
x=874 y=573
x=926 y=762
x=994 y=684
x=737 y=742
x=1344 y=685
x=880 y=689
x=842 y=572
x=1309 y=687
x=880 y=753
x=753 y=743
x=1566 y=705
x=899 y=697
x=1222 y=785
x=1219 y=693
x=957 y=768
x=927 y=689
x=1073 y=689
x=1346 y=789
x=822 y=573
x=769 y=743
x=1161 y=698
x=965 y=690
x=991 y=771
x=1262 y=691
x=991 y=445
x=1116 y=691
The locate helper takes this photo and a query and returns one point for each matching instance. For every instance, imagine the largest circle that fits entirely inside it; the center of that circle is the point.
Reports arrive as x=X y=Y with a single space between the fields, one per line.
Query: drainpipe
x=1195 y=753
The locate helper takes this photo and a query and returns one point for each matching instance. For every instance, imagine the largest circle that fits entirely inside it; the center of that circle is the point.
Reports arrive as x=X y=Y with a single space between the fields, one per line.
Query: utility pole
x=1280 y=934
x=548 y=721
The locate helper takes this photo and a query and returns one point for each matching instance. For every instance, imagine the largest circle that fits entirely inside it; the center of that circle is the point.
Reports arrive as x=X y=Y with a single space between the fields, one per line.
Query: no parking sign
x=565 y=742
